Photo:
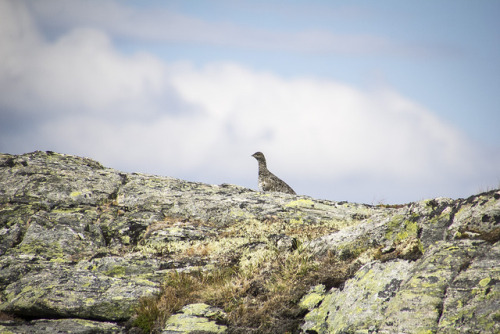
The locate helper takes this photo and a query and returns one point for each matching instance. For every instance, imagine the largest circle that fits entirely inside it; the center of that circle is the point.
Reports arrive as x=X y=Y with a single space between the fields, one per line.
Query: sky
x=360 y=101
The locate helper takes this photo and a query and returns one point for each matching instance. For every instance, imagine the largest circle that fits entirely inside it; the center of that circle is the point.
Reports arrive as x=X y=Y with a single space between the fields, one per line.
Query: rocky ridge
x=81 y=245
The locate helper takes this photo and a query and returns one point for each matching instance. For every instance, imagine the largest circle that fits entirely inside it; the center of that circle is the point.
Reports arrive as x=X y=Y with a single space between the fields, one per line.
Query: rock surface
x=195 y=317
x=80 y=244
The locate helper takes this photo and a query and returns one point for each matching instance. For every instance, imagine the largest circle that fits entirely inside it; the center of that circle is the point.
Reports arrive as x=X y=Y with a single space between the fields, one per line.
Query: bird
x=267 y=180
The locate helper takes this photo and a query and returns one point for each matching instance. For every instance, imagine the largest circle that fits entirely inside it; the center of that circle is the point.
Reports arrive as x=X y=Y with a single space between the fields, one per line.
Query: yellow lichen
x=300 y=203
x=484 y=282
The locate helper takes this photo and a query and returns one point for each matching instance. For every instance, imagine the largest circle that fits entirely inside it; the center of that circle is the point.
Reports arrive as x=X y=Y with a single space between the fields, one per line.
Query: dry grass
x=262 y=298
x=198 y=250
x=178 y=290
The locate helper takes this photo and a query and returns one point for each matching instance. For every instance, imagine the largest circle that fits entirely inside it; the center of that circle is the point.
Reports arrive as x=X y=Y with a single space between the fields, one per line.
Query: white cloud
x=348 y=130
x=326 y=138
x=159 y=24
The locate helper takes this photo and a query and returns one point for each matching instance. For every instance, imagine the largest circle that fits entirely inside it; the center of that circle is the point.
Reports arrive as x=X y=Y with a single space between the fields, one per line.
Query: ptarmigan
x=267 y=180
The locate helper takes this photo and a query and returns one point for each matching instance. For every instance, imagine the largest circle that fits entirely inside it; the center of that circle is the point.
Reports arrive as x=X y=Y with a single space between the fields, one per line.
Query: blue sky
x=386 y=101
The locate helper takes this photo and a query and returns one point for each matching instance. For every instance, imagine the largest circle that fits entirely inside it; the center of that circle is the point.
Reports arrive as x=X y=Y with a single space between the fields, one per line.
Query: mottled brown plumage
x=267 y=180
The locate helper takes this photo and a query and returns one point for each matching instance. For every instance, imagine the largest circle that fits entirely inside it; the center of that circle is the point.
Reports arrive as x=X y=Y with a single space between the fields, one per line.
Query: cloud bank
x=78 y=94
x=163 y=25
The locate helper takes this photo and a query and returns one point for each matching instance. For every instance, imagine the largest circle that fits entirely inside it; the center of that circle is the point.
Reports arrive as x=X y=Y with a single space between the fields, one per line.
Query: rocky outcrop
x=84 y=249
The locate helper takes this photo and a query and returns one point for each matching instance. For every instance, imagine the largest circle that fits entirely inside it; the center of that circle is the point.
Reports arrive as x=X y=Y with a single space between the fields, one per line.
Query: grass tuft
x=262 y=297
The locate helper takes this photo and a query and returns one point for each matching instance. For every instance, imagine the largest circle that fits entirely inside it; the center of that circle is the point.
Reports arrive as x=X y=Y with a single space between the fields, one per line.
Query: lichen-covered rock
x=80 y=244
x=313 y=298
x=358 y=306
x=472 y=300
x=57 y=290
x=51 y=326
x=195 y=318
x=452 y=287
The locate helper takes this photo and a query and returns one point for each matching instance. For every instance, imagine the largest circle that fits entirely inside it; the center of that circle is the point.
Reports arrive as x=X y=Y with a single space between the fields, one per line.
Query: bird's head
x=259 y=156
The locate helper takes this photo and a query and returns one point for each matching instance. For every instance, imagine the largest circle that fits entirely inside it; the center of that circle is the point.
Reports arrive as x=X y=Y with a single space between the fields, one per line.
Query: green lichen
x=4 y=330
x=307 y=203
x=296 y=221
x=50 y=250
x=67 y=210
x=315 y=321
x=203 y=310
x=313 y=298
x=241 y=214
x=117 y=271
x=484 y=282
x=89 y=301
x=400 y=229
x=184 y=324
x=125 y=239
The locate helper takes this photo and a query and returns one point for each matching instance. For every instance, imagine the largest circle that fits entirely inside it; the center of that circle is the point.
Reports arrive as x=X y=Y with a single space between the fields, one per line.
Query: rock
x=49 y=326
x=81 y=245
x=359 y=304
x=313 y=298
x=56 y=290
x=472 y=300
x=195 y=318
